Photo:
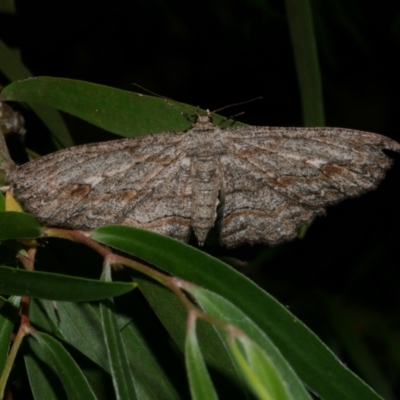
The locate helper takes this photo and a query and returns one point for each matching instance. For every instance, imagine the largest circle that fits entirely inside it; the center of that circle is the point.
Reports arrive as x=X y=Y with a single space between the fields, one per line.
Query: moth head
x=198 y=120
x=204 y=120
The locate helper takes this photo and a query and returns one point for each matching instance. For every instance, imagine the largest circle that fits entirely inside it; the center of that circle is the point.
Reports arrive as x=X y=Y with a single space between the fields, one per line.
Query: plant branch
x=23 y=330
x=176 y=285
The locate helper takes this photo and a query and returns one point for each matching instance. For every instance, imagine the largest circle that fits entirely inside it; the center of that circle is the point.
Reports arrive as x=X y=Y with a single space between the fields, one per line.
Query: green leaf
x=43 y=385
x=38 y=316
x=279 y=370
x=201 y=386
x=76 y=323
x=8 y=313
x=306 y=57
x=311 y=359
x=79 y=325
x=41 y=313
x=118 y=111
x=124 y=385
x=11 y=65
x=18 y=225
x=259 y=371
x=59 y=360
x=151 y=381
x=14 y=69
x=47 y=285
x=172 y=314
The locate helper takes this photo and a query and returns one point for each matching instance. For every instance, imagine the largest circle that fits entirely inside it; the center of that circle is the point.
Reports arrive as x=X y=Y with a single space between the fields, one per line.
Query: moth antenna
x=228 y=118
x=153 y=93
x=237 y=104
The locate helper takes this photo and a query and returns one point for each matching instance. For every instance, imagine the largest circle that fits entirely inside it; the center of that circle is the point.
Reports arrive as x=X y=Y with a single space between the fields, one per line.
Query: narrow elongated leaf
x=80 y=326
x=307 y=355
x=59 y=360
x=124 y=385
x=118 y=111
x=118 y=363
x=2 y=202
x=11 y=65
x=280 y=372
x=44 y=387
x=260 y=373
x=172 y=314
x=151 y=381
x=201 y=386
x=17 y=225
x=47 y=285
x=306 y=58
x=76 y=323
x=42 y=379
x=8 y=313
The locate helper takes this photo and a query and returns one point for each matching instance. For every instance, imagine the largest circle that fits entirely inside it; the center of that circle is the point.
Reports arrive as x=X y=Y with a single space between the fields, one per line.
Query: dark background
x=226 y=52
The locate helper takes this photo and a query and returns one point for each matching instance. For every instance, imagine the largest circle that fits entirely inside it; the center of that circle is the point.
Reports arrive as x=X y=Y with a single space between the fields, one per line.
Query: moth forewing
x=271 y=180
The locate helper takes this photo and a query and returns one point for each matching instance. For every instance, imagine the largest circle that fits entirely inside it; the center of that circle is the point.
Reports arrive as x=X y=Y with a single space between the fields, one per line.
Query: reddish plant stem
x=28 y=262
x=110 y=257
x=79 y=237
x=174 y=284
x=23 y=330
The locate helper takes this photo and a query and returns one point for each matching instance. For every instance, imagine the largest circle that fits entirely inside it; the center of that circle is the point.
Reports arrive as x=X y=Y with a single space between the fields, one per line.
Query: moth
x=257 y=184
